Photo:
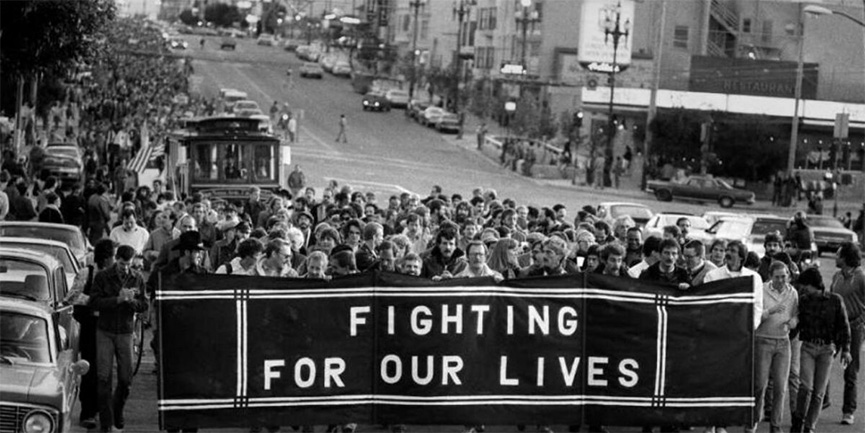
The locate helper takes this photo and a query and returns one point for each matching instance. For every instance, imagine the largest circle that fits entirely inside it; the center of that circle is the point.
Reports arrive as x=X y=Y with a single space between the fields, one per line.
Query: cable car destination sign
x=381 y=348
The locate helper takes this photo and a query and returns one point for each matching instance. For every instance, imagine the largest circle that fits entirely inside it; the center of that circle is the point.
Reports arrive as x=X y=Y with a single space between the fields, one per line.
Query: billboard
x=381 y=348
x=595 y=51
x=751 y=77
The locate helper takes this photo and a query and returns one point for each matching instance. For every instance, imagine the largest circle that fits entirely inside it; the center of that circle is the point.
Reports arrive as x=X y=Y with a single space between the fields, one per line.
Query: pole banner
x=382 y=348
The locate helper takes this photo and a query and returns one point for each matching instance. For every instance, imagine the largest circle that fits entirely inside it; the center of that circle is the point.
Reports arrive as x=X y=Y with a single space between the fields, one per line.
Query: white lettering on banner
x=504 y=380
x=422 y=326
x=397 y=363
x=269 y=374
x=541 y=371
x=456 y=319
x=355 y=319
x=594 y=372
x=510 y=322
x=569 y=373
x=542 y=322
x=480 y=310
x=415 y=367
x=568 y=327
x=298 y=370
x=333 y=367
x=451 y=366
x=390 y=320
x=626 y=368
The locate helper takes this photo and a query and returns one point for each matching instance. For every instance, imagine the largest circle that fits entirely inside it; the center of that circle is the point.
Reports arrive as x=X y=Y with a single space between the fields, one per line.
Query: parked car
x=64 y=162
x=397 y=98
x=327 y=61
x=310 y=69
x=68 y=234
x=829 y=233
x=266 y=39
x=655 y=225
x=431 y=115
x=750 y=229
x=341 y=69
x=713 y=216
x=247 y=112
x=375 y=101
x=609 y=211
x=231 y=97
x=701 y=188
x=227 y=43
x=447 y=122
x=178 y=44
x=41 y=369
x=415 y=108
x=58 y=250
x=290 y=44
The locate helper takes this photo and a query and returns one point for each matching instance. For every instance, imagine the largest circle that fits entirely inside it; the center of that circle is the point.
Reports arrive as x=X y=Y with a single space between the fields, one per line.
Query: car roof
x=622 y=203
x=30 y=255
x=67 y=227
x=26 y=306
x=24 y=240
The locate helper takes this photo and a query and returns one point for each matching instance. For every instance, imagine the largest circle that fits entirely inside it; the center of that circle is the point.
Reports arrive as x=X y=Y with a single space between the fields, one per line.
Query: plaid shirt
x=823 y=320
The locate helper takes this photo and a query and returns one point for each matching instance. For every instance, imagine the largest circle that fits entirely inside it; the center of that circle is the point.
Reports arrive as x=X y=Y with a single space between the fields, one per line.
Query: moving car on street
x=245 y=104
x=40 y=370
x=375 y=101
x=829 y=233
x=227 y=43
x=266 y=39
x=701 y=188
x=64 y=162
x=398 y=98
x=750 y=229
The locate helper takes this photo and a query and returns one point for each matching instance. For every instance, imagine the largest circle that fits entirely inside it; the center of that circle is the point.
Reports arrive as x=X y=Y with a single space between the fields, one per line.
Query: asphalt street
x=387 y=153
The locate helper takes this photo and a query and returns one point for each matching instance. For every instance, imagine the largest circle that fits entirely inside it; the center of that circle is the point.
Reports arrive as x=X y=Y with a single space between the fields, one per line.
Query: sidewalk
x=629 y=189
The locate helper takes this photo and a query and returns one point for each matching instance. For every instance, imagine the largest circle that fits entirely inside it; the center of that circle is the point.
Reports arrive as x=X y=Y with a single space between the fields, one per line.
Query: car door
x=63 y=309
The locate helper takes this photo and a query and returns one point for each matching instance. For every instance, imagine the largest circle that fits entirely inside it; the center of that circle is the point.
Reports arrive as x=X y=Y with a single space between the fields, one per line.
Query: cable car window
x=205 y=161
x=265 y=162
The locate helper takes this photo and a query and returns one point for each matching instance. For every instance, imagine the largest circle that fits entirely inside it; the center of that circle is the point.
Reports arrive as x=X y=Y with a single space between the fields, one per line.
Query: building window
x=424 y=29
x=791 y=28
x=482 y=19
x=746 y=25
x=492 y=17
x=406 y=23
x=680 y=37
x=767 y=31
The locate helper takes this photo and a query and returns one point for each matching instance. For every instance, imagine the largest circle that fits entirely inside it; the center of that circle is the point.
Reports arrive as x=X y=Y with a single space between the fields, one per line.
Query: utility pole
x=653 y=97
x=460 y=10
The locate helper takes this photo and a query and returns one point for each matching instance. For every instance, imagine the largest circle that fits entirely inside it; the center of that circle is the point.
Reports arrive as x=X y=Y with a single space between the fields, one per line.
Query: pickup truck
x=700 y=188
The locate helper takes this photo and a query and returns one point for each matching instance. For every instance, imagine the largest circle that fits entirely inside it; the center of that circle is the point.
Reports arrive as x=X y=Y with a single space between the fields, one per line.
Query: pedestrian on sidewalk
x=460 y=123
x=343 y=123
x=482 y=134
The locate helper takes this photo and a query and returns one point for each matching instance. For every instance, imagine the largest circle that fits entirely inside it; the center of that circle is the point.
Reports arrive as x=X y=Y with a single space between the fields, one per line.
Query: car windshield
x=398 y=93
x=634 y=211
x=23 y=279
x=827 y=222
x=72 y=153
x=723 y=184
x=69 y=237
x=57 y=252
x=24 y=338
x=732 y=229
x=761 y=227
x=697 y=223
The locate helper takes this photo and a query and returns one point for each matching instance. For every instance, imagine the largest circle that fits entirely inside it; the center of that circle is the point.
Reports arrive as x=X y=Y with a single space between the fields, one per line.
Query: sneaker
x=88 y=423
x=847 y=419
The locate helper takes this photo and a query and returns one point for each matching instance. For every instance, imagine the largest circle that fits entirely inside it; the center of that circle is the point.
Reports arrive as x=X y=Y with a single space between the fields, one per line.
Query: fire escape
x=723 y=30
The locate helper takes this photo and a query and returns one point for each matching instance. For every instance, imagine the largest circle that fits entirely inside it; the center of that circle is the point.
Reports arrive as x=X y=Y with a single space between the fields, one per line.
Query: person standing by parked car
x=118 y=293
x=849 y=282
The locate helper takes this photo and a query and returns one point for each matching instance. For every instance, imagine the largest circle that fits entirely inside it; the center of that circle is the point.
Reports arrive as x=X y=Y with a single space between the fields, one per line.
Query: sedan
x=228 y=43
x=751 y=230
x=415 y=108
x=448 y=122
x=55 y=249
x=341 y=69
x=655 y=225
x=431 y=115
x=829 y=233
x=64 y=162
x=611 y=210
x=310 y=69
x=398 y=98
x=245 y=104
x=40 y=369
x=375 y=101
x=266 y=39
x=178 y=44
x=68 y=234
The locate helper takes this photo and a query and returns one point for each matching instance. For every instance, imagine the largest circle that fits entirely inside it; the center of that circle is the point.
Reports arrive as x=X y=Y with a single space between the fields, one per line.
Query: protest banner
x=381 y=348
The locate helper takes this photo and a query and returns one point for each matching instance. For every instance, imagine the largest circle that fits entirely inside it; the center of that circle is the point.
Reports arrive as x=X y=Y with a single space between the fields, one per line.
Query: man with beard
x=445 y=259
x=613 y=256
x=205 y=227
x=553 y=257
x=734 y=258
x=666 y=269
x=477 y=263
x=303 y=221
x=225 y=250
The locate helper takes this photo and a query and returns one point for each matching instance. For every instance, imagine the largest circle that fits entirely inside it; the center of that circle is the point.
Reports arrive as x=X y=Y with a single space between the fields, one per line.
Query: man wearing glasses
x=276 y=261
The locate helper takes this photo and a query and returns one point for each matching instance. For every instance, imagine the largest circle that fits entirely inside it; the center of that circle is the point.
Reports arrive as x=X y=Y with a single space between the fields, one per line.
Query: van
x=232 y=96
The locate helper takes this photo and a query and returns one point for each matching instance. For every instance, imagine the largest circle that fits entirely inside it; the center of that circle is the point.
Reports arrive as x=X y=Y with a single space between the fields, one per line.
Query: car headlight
x=38 y=421
x=376 y=104
x=365 y=102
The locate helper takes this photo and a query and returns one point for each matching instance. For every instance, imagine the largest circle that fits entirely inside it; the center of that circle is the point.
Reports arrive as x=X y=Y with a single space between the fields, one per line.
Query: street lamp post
x=461 y=9
x=415 y=5
x=525 y=17
x=613 y=29
x=510 y=108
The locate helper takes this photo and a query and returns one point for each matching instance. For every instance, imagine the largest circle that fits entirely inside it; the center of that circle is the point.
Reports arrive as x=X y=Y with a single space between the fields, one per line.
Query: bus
x=223 y=157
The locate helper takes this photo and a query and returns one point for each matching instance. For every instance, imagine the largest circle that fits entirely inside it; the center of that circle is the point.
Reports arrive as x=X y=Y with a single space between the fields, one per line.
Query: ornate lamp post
x=461 y=9
x=415 y=5
x=525 y=17
x=616 y=30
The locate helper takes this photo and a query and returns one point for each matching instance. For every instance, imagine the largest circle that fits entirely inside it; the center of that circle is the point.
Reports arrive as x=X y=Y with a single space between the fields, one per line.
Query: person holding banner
x=445 y=260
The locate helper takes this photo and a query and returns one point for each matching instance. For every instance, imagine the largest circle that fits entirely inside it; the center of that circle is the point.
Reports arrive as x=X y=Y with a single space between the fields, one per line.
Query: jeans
x=109 y=346
x=851 y=373
x=89 y=394
x=772 y=359
x=795 y=363
x=816 y=367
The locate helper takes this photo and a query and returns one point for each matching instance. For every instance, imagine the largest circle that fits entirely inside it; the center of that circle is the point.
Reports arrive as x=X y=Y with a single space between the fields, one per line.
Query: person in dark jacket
x=51 y=213
x=824 y=331
x=103 y=258
x=666 y=270
x=72 y=205
x=799 y=235
x=367 y=253
x=445 y=259
x=118 y=293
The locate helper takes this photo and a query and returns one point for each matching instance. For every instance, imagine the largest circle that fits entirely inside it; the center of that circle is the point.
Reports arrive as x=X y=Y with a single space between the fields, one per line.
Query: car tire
x=664 y=195
x=726 y=202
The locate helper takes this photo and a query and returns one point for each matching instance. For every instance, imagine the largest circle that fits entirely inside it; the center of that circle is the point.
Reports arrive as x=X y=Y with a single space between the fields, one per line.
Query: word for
x=458 y=318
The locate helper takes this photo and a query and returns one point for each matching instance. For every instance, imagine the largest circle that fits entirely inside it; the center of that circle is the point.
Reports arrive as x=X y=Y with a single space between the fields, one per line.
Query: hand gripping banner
x=382 y=348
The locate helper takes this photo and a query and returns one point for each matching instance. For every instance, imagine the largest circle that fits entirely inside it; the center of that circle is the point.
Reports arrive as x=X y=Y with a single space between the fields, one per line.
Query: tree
x=676 y=134
x=735 y=136
x=187 y=17
x=222 y=15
